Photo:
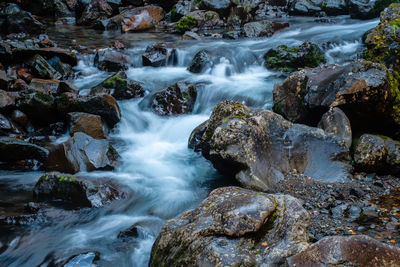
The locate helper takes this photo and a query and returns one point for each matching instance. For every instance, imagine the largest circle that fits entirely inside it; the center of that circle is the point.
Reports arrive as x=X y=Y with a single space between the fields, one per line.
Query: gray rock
x=258 y=29
x=13 y=149
x=218 y=5
x=111 y=60
x=42 y=68
x=155 y=55
x=234 y=227
x=336 y=122
x=200 y=62
x=313 y=7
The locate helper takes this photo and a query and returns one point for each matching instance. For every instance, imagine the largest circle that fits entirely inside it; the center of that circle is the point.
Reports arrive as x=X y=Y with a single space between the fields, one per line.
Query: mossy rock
x=186 y=23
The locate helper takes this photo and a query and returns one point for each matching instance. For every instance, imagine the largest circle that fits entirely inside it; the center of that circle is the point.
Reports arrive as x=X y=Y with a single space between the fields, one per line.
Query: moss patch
x=186 y=23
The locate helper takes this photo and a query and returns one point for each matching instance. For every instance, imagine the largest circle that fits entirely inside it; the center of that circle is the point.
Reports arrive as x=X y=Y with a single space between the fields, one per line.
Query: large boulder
x=313 y=7
x=338 y=251
x=155 y=55
x=176 y=99
x=145 y=18
x=95 y=11
x=82 y=153
x=336 y=122
x=200 y=62
x=13 y=149
x=292 y=58
x=201 y=19
x=362 y=89
x=234 y=227
x=120 y=87
x=19 y=21
x=79 y=191
x=89 y=124
x=377 y=154
x=260 y=147
x=103 y=105
x=367 y=9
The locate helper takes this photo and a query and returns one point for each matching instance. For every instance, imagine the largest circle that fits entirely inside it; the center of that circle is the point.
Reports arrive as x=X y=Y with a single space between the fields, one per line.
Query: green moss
x=186 y=23
x=115 y=82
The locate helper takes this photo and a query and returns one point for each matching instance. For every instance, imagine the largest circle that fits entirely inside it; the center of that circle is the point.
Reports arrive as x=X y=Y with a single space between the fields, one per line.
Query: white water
x=166 y=177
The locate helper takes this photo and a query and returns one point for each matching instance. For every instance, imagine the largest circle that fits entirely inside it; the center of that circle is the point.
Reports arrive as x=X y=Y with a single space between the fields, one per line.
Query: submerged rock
x=260 y=147
x=353 y=250
x=82 y=153
x=234 y=227
x=292 y=58
x=79 y=191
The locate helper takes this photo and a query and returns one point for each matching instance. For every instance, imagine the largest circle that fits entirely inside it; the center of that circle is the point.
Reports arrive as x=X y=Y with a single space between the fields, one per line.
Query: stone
x=39 y=106
x=155 y=55
x=235 y=134
x=336 y=122
x=196 y=136
x=221 y=6
x=82 y=153
x=19 y=21
x=42 y=69
x=79 y=191
x=3 y=80
x=19 y=117
x=120 y=87
x=200 y=62
x=358 y=250
x=314 y=7
x=258 y=29
x=234 y=227
x=201 y=19
x=144 y=19
x=89 y=124
x=96 y=10
x=13 y=149
x=111 y=60
x=7 y=100
x=190 y=36
x=46 y=86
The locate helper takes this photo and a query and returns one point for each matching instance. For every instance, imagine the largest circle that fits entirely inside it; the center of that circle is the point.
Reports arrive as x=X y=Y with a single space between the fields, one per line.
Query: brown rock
x=89 y=124
x=144 y=20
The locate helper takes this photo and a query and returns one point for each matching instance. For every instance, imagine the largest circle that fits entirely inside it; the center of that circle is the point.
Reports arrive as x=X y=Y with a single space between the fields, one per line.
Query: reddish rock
x=118 y=45
x=46 y=86
x=89 y=124
x=23 y=73
x=143 y=20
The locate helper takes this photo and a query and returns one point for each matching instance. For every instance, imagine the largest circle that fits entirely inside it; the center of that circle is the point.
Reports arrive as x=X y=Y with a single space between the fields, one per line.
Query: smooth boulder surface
x=89 y=124
x=155 y=55
x=338 y=251
x=82 y=153
x=79 y=191
x=234 y=227
x=200 y=62
x=111 y=60
x=336 y=122
x=144 y=19
x=13 y=149
x=259 y=147
x=313 y=7
x=258 y=29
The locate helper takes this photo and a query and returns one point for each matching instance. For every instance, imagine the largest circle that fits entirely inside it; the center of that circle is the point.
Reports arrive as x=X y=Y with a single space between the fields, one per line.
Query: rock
x=201 y=62
x=118 y=45
x=63 y=69
x=336 y=122
x=96 y=10
x=290 y=59
x=19 y=21
x=7 y=100
x=111 y=60
x=361 y=89
x=258 y=29
x=79 y=191
x=221 y=6
x=120 y=87
x=43 y=69
x=13 y=149
x=191 y=36
x=3 y=80
x=145 y=18
x=196 y=136
x=377 y=154
x=366 y=9
x=184 y=7
x=39 y=106
x=6 y=126
x=19 y=117
x=353 y=251
x=19 y=85
x=89 y=124
x=103 y=105
x=234 y=227
x=176 y=99
x=61 y=9
x=82 y=153
x=314 y=7
x=155 y=55
x=46 y=86
x=235 y=134
x=201 y=19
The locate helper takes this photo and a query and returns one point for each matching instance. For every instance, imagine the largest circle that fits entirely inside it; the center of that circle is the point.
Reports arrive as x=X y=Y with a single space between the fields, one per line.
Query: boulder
x=3 y=80
x=379 y=154
x=6 y=126
x=336 y=122
x=13 y=149
x=120 y=87
x=95 y=11
x=196 y=136
x=42 y=69
x=260 y=147
x=8 y=100
x=111 y=60
x=367 y=9
x=79 y=191
x=176 y=99
x=201 y=19
x=289 y=59
x=46 y=86
x=314 y=7
x=200 y=62
x=144 y=19
x=19 y=21
x=258 y=29
x=183 y=8
x=155 y=55
x=221 y=6
x=89 y=124
x=234 y=227
x=19 y=117
x=64 y=69
x=103 y=105
x=361 y=89
x=358 y=250
x=82 y=153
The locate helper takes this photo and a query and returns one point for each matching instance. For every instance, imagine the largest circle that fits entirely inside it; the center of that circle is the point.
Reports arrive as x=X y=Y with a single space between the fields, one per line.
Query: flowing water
x=166 y=177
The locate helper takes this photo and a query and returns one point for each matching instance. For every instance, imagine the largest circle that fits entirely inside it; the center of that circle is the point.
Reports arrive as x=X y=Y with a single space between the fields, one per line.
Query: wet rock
x=43 y=69
x=61 y=9
x=60 y=67
x=118 y=45
x=39 y=106
x=258 y=29
x=82 y=153
x=196 y=136
x=145 y=18
x=3 y=80
x=365 y=9
x=155 y=55
x=80 y=191
x=234 y=227
x=120 y=87
x=377 y=154
x=354 y=251
x=184 y=7
x=191 y=36
x=7 y=100
x=103 y=105
x=292 y=58
x=111 y=60
x=6 y=126
x=95 y=10
x=339 y=211
x=19 y=117
x=13 y=149
x=89 y=124
x=314 y=7
x=221 y=6
x=361 y=89
x=201 y=61
x=46 y=86
x=176 y=99
x=200 y=19
x=19 y=21
x=336 y=122
x=235 y=134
